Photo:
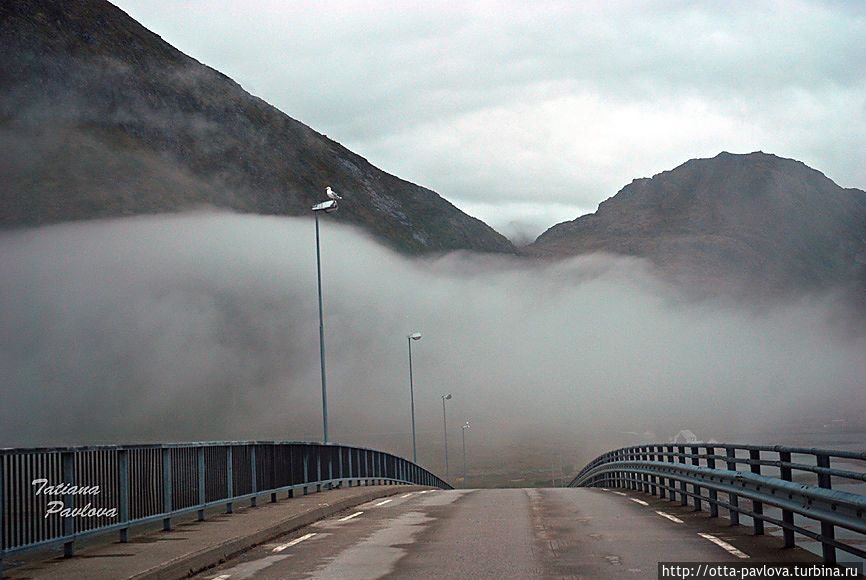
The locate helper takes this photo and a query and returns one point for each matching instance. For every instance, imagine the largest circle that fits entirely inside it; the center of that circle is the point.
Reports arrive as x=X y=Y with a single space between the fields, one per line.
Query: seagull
x=331 y=193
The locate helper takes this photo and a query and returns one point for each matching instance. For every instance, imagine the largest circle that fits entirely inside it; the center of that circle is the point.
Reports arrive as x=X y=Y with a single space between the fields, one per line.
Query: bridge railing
x=55 y=496
x=813 y=497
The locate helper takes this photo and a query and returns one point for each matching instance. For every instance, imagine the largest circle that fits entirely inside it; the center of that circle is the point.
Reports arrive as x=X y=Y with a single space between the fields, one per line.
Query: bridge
x=233 y=510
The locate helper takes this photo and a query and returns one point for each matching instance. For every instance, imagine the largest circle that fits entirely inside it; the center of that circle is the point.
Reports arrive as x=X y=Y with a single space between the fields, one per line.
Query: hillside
x=753 y=223
x=99 y=117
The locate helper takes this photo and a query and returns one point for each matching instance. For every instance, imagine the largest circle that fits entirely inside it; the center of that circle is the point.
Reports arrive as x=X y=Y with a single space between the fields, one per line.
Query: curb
x=195 y=562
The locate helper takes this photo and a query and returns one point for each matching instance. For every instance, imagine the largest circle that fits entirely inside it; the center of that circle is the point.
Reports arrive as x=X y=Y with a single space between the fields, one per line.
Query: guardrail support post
x=123 y=492
x=350 y=467
x=684 y=498
x=201 y=487
x=67 y=459
x=166 y=488
x=273 y=448
x=827 y=529
x=253 y=483
x=714 y=495
x=757 y=507
x=318 y=470
x=787 y=515
x=230 y=480
x=696 y=460
x=733 y=498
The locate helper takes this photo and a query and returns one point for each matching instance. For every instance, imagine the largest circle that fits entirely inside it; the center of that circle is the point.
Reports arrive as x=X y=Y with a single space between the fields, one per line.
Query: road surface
x=503 y=533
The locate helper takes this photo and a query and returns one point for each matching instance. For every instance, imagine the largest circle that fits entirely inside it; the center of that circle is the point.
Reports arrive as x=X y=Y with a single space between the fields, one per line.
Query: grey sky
x=535 y=112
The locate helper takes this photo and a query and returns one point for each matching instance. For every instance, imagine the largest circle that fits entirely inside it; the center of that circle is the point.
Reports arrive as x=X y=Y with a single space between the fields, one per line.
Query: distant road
x=504 y=533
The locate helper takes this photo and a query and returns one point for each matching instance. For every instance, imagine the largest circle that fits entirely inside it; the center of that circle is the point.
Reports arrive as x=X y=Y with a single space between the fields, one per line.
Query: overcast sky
x=526 y=114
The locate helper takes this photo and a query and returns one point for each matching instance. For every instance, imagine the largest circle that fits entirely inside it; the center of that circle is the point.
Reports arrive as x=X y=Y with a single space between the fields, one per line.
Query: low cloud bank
x=204 y=327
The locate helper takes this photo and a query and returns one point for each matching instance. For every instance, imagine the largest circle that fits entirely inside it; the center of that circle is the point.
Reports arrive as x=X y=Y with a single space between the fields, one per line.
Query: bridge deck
x=534 y=533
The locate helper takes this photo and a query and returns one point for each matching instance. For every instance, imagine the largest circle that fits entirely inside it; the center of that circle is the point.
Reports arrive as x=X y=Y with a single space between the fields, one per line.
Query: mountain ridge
x=102 y=118
x=751 y=222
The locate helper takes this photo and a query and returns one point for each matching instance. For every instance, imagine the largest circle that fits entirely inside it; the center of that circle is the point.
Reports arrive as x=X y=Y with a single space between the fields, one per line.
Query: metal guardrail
x=797 y=481
x=55 y=496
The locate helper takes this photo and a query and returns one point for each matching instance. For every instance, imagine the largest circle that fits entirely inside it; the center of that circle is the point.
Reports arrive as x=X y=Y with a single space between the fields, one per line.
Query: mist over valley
x=204 y=327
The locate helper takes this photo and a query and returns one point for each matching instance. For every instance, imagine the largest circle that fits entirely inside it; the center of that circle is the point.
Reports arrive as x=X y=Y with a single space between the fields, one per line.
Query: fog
x=204 y=327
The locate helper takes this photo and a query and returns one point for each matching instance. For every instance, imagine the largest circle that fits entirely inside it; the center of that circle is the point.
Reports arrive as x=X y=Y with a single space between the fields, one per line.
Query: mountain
x=99 y=117
x=754 y=223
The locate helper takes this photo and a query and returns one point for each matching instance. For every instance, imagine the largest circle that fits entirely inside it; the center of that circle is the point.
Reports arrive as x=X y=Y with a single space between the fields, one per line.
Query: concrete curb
x=195 y=562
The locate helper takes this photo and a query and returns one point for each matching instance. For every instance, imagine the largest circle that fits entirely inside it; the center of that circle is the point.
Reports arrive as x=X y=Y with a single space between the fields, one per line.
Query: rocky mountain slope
x=99 y=117
x=742 y=223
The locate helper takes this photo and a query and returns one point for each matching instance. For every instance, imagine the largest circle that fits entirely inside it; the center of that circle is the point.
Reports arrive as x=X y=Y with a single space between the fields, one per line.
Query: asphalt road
x=503 y=533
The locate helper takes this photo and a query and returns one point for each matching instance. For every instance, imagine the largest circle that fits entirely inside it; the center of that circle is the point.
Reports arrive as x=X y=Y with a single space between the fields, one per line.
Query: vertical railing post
x=123 y=492
x=714 y=495
x=787 y=515
x=166 y=488
x=696 y=460
x=306 y=470
x=733 y=498
x=661 y=480
x=201 y=482
x=2 y=491
x=350 y=467
x=331 y=466
x=684 y=498
x=254 y=483
x=67 y=459
x=230 y=479
x=757 y=506
x=274 y=449
x=318 y=469
x=827 y=530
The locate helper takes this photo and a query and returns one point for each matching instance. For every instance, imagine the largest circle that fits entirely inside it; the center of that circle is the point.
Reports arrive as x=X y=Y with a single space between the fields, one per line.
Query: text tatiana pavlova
x=58 y=507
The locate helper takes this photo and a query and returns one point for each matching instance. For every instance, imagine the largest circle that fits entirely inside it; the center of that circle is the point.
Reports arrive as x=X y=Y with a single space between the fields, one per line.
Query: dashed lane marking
x=222 y=577
x=640 y=501
x=723 y=544
x=384 y=502
x=407 y=495
x=282 y=547
x=674 y=519
x=620 y=493
x=347 y=518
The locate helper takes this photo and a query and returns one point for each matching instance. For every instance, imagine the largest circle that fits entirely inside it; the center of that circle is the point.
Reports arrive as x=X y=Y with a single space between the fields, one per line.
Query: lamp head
x=446 y=397
x=326 y=206
x=415 y=336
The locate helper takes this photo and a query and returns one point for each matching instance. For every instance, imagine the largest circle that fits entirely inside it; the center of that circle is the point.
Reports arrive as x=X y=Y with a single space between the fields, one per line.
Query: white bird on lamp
x=331 y=193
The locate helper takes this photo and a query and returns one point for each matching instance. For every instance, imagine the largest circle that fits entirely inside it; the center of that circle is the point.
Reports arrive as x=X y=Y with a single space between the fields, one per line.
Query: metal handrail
x=690 y=470
x=57 y=495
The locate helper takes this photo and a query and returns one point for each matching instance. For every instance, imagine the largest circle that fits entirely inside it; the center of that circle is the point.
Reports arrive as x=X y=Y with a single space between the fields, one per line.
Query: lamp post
x=445 y=430
x=410 y=338
x=465 y=427
x=327 y=207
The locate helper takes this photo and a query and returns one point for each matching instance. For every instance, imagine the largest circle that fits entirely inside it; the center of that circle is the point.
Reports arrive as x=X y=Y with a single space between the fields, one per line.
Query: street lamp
x=465 y=427
x=327 y=207
x=445 y=430
x=410 y=338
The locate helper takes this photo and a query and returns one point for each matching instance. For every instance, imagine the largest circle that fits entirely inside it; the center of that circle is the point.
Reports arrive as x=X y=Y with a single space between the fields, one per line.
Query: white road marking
x=407 y=495
x=384 y=502
x=640 y=501
x=294 y=542
x=222 y=577
x=604 y=489
x=674 y=519
x=620 y=493
x=347 y=518
x=724 y=545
